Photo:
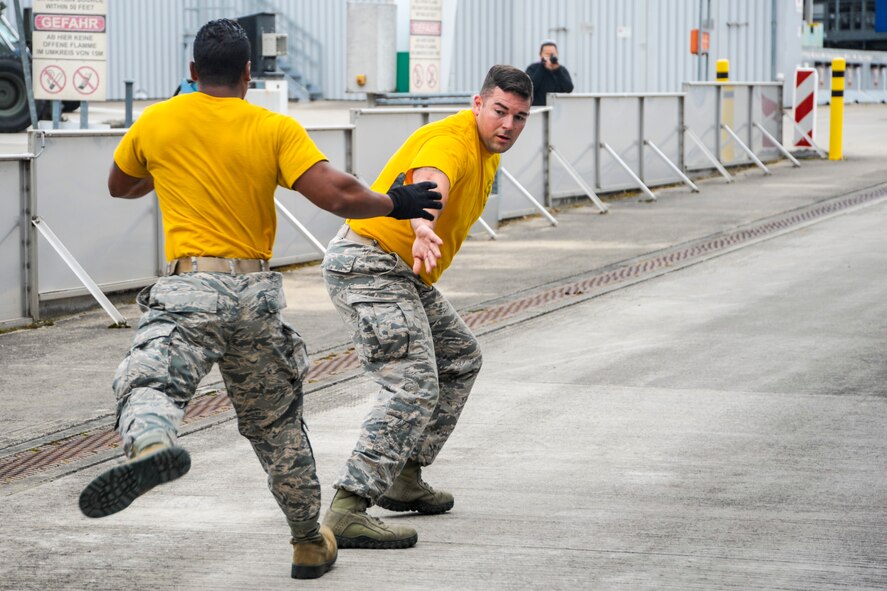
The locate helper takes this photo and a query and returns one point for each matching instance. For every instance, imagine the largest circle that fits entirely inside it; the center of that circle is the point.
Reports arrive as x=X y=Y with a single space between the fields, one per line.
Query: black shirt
x=545 y=81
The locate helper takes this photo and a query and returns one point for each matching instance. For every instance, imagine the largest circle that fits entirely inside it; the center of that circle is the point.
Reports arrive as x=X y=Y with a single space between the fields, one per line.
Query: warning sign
x=70 y=49
x=86 y=80
x=425 y=47
x=64 y=22
x=52 y=79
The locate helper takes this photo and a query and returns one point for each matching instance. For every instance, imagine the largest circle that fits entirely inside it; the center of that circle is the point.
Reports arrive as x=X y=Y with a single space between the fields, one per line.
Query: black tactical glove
x=410 y=200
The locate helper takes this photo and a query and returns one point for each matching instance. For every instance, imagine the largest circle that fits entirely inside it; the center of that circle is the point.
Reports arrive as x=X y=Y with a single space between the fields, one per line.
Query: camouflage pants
x=417 y=348
x=194 y=320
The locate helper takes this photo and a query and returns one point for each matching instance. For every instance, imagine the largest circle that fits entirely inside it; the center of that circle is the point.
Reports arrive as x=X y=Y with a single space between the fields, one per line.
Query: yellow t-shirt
x=453 y=146
x=216 y=163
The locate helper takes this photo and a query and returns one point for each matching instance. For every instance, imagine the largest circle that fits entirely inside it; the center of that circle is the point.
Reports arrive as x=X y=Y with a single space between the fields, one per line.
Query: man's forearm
x=416 y=222
x=357 y=201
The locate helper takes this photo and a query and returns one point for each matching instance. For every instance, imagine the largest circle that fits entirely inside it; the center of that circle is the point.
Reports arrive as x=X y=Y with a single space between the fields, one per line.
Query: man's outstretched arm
x=343 y=195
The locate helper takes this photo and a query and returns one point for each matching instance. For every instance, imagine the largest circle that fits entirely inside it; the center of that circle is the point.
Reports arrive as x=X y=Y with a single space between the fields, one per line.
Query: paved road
x=717 y=427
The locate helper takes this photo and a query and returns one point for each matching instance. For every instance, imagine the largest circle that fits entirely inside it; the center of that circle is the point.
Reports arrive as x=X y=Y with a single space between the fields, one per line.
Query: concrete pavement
x=716 y=427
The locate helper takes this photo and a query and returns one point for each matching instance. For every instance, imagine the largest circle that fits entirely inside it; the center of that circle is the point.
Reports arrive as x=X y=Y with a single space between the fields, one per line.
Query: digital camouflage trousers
x=416 y=347
x=194 y=320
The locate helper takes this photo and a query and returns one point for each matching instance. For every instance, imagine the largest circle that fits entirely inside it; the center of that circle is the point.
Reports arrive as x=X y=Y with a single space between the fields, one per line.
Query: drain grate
x=57 y=453
x=645 y=266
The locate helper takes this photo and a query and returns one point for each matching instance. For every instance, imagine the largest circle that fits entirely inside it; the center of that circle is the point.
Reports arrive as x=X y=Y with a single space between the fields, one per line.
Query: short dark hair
x=508 y=79
x=221 y=50
x=546 y=43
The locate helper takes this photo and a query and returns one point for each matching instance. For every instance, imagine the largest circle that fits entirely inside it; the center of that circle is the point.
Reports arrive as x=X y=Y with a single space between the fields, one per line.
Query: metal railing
x=61 y=236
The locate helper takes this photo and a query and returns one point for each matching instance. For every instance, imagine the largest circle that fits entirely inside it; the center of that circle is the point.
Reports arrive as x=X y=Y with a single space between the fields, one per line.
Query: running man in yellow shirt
x=215 y=161
x=380 y=274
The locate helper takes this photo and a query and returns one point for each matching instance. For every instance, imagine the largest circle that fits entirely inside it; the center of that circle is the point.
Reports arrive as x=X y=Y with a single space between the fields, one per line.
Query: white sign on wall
x=70 y=49
x=426 y=18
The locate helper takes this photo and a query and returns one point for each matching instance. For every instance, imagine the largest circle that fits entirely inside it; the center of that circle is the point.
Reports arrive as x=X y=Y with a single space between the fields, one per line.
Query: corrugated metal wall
x=148 y=41
x=613 y=45
x=145 y=46
x=607 y=45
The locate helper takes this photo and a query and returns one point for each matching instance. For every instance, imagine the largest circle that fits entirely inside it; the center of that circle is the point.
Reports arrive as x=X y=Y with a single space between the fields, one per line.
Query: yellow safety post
x=722 y=69
x=836 y=116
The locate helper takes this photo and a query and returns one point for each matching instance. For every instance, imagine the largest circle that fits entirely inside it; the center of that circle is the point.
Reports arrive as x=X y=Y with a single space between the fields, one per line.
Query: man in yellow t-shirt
x=380 y=274
x=215 y=162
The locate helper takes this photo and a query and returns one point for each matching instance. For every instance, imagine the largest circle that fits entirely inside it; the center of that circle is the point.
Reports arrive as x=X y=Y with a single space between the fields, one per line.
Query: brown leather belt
x=346 y=233
x=215 y=265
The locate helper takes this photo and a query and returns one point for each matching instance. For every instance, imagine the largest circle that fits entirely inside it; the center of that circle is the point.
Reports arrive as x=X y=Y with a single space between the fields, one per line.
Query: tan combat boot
x=354 y=528
x=115 y=489
x=410 y=493
x=311 y=560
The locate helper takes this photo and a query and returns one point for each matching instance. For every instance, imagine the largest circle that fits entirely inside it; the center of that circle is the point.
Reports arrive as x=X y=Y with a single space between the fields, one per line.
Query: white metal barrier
x=379 y=132
x=572 y=136
x=732 y=124
x=523 y=169
x=116 y=241
x=613 y=142
x=13 y=240
x=295 y=244
x=65 y=237
x=61 y=235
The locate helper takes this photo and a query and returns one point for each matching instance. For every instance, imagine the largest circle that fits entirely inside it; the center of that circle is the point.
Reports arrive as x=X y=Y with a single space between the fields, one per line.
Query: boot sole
x=417 y=506
x=117 y=488
x=311 y=572
x=368 y=543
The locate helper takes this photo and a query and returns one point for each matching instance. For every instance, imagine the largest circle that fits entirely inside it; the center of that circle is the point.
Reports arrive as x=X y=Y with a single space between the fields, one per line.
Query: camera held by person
x=548 y=75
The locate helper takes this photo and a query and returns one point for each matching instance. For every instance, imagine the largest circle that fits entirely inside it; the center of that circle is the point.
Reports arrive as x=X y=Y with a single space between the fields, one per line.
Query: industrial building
x=607 y=45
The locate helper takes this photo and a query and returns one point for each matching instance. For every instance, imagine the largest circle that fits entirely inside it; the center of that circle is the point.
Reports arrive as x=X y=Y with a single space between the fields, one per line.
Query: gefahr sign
x=70 y=49
x=66 y=22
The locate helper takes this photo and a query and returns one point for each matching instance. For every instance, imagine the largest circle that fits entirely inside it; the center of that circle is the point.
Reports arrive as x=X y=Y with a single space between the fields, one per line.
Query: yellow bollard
x=722 y=69
x=836 y=112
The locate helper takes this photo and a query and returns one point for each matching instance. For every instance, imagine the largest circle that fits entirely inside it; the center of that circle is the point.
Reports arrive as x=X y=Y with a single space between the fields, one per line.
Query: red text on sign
x=67 y=22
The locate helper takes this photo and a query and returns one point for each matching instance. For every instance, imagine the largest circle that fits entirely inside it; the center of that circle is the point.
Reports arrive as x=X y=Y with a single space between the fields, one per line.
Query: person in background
x=548 y=75
x=380 y=275
x=215 y=161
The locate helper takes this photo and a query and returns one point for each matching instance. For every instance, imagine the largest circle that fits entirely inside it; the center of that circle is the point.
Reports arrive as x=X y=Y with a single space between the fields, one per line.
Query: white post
x=527 y=194
x=299 y=226
x=711 y=157
x=745 y=148
x=487 y=228
x=81 y=274
x=819 y=150
x=637 y=179
x=673 y=166
x=579 y=180
x=779 y=146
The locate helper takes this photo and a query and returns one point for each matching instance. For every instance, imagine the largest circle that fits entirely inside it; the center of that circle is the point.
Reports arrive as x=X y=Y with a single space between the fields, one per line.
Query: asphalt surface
x=715 y=420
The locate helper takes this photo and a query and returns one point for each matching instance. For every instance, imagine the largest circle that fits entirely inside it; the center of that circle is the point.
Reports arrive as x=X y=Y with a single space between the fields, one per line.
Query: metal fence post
x=84 y=114
x=128 y=117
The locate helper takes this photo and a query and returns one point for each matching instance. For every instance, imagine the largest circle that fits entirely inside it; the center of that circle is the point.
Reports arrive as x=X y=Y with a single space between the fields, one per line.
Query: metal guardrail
x=64 y=237
x=613 y=142
x=379 y=99
x=724 y=122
